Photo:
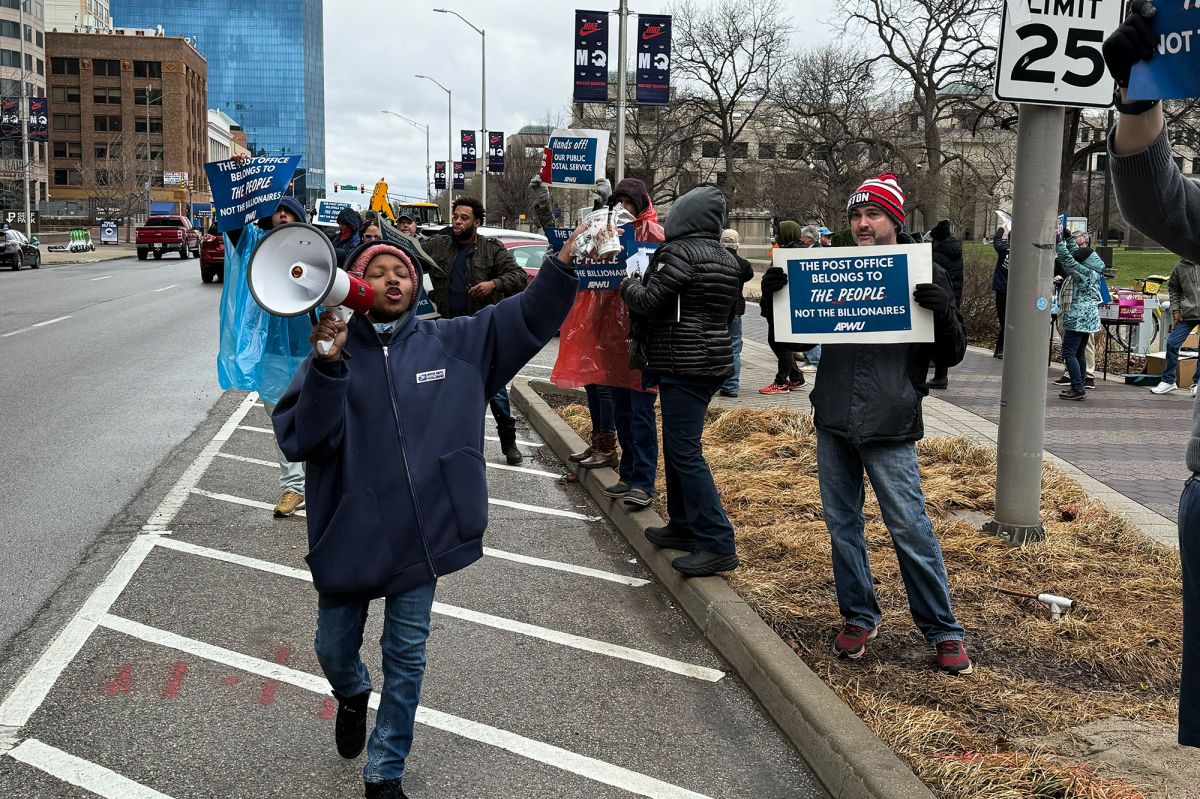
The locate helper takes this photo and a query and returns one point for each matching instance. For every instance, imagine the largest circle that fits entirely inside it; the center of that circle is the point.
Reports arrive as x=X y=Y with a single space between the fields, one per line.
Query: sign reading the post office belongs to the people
x=842 y=295
x=1050 y=52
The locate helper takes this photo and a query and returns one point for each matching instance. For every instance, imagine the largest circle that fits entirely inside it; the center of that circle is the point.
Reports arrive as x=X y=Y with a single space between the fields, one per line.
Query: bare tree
x=729 y=53
x=118 y=178
x=658 y=142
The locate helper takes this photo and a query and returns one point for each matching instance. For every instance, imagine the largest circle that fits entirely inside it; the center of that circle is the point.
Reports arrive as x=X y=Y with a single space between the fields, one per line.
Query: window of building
x=41 y=67
x=64 y=94
x=68 y=177
x=106 y=95
x=156 y=124
x=1195 y=165
x=1178 y=162
x=107 y=66
x=139 y=96
x=64 y=66
x=10 y=58
x=101 y=177
x=29 y=62
x=64 y=121
x=147 y=69
x=1101 y=162
x=710 y=149
x=112 y=124
x=10 y=29
x=741 y=149
x=766 y=150
x=41 y=40
x=68 y=149
x=795 y=151
x=110 y=150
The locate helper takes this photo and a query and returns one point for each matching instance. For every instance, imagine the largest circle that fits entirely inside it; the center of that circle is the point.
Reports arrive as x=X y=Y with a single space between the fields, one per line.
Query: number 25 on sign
x=1050 y=52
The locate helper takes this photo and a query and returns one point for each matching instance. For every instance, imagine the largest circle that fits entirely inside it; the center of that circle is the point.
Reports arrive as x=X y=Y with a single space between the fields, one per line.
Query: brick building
x=122 y=103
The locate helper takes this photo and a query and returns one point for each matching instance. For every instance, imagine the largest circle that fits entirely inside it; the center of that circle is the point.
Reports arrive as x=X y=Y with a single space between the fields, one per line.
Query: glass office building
x=266 y=70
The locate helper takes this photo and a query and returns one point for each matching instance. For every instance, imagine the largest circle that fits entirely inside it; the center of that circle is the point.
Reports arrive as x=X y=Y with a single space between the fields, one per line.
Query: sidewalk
x=104 y=252
x=1124 y=445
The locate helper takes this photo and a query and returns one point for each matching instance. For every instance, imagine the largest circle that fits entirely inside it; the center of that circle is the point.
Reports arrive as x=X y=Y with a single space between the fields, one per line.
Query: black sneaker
x=1072 y=394
x=638 y=496
x=1064 y=380
x=350 y=729
x=618 y=490
x=998 y=355
x=703 y=564
x=1089 y=382
x=937 y=383
x=730 y=394
x=670 y=538
x=389 y=789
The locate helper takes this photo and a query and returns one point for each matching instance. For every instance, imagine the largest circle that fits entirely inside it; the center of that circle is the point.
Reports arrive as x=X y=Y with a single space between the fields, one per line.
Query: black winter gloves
x=1082 y=254
x=1132 y=42
x=773 y=280
x=932 y=297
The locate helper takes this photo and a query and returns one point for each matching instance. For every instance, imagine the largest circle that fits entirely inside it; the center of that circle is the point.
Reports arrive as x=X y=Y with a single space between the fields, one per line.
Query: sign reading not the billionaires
x=842 y=295
x=606 y=275
x=244 y=194
x=575 y=157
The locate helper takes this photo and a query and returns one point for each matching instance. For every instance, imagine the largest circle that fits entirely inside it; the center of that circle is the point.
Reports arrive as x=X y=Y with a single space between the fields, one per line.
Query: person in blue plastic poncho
x=260 y=352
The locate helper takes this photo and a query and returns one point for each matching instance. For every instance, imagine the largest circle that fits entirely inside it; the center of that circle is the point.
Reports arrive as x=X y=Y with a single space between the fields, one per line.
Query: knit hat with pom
x=883 y=191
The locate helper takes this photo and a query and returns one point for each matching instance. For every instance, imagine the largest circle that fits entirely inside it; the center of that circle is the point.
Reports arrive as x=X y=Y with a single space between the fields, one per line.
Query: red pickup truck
x=167 y=234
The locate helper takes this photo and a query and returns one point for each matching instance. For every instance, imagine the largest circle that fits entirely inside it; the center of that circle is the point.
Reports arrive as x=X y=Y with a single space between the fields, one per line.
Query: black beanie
x=941 y=231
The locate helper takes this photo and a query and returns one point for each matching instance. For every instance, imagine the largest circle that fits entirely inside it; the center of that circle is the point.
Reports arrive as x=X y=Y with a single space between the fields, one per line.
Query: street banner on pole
x=245 y=194
x=10 y=118
x=460 y=177
x=591 y=57
x=496 y=151
x=1174 y=72
x=469 y=151
x=1053 y=57
x=575 y=157
x=439 y=175
x=606 y=275
x=39 y=120
x=841 y=295
x=654 y=59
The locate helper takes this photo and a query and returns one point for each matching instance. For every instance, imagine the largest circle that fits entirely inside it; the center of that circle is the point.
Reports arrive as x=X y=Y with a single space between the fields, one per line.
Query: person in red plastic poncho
x=593 y=354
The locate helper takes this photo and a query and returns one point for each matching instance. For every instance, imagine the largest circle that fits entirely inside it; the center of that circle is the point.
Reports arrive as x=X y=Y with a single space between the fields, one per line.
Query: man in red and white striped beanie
x=876 y=211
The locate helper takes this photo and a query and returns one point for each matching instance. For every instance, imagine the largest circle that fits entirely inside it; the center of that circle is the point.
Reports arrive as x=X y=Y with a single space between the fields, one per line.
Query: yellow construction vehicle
x=379 y=200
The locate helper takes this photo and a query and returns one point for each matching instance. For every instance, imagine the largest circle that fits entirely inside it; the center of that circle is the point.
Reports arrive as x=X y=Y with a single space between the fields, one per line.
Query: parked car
x=162 y=234
x=212 y=256
x=528 y=253
x=17 y=251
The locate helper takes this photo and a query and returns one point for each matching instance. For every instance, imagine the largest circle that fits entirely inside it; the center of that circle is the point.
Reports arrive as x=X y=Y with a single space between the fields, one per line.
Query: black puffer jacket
x=691 y=271
x=948 y=254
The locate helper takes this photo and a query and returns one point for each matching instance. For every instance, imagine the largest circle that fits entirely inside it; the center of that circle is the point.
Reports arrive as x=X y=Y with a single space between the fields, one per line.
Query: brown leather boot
x=604 y=452
x=576 y=457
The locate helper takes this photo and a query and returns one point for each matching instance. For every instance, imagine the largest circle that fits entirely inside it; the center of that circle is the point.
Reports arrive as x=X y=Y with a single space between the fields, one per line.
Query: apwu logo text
x=429 y=377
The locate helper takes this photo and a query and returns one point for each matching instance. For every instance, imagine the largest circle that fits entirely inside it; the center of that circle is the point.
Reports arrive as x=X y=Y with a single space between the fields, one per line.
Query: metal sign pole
x=1030 y=277
x=622 y=67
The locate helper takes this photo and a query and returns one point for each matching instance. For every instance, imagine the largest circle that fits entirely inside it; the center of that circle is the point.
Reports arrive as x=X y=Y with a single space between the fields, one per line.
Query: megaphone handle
x=341 y=312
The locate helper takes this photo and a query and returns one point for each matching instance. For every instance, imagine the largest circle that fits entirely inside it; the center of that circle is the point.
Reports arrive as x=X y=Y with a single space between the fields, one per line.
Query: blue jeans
x=291 y=473
x=405 y=630
x=600 y=408
x=897 y=483
x=735 y=333
x=502 y=413
x=1174 y=341
x=637 y=430
x=1074 y=343
x=813 y=356
x=692 y=500
x=1189 y=557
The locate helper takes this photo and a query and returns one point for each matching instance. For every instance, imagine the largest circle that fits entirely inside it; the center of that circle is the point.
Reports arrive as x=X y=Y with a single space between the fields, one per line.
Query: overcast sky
x=373 y=48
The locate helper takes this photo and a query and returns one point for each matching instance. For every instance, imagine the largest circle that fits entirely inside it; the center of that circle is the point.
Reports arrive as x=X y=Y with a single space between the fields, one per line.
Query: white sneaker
x=1164 y=388
x=1194 y=387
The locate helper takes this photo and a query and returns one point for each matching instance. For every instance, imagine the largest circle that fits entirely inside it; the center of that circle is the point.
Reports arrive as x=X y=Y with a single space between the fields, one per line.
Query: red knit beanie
x=883 y=191
x=370 y=250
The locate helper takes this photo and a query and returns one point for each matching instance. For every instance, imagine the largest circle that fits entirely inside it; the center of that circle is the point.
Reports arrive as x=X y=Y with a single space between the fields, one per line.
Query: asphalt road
x=104 y=368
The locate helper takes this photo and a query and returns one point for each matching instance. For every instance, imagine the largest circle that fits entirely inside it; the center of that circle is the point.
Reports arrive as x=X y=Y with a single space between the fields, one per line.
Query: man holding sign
x=867 y=412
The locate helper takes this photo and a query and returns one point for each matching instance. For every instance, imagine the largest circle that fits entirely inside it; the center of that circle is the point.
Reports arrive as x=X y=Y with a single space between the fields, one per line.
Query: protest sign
x=1172 y=73
x=327 y=212
x=575 y=157
x=843 y=295
x=246 y=193
x=606 y=275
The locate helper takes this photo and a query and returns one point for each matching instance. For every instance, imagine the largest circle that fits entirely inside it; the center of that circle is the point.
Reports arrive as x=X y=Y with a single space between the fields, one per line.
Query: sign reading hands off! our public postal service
x=844 y=295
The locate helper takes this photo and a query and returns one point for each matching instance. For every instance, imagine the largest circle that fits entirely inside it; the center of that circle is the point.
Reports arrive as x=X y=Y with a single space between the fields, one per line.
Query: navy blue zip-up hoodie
x=392 y=435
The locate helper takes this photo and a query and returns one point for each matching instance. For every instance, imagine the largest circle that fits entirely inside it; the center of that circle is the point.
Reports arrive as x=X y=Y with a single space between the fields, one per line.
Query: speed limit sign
x=1050 y=52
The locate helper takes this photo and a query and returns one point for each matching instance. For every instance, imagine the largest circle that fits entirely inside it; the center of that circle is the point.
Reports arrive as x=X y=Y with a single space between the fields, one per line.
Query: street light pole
x=483 y=133
x=24 y=112
x=449 y=141
x=622 y=23
x=418 y=126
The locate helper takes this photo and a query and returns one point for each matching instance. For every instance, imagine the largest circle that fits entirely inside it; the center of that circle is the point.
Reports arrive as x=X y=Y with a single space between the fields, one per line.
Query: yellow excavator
x=379 y=200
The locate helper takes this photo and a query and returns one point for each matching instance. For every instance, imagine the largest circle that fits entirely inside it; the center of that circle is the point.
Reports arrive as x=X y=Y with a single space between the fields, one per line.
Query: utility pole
x=149 y=179
x=622 y=26
x=26 y=155
x=422 y=127
x=483 y=135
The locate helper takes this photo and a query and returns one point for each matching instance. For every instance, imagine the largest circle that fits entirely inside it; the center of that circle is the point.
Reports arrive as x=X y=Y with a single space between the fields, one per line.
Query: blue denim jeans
x=735 y=333
x=1073 y=345
x=1174 y=341
x=405 y=630
x=502 y=413
x=637 y=431
x=1189 y=557
x=892 y=469
x=692 y=500
x=813 y=356
x=600 y=408
x=291 y=473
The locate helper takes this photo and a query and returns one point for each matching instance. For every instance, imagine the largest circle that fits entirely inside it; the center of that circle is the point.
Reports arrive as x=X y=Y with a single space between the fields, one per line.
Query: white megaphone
x=293 y=269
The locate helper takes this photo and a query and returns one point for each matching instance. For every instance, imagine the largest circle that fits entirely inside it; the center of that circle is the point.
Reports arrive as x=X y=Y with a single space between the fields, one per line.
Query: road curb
x=849 y=760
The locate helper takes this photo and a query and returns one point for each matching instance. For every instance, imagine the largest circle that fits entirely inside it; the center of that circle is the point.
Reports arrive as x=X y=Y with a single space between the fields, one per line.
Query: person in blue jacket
x=1082 y=318
x=260 y=352
x=391 y=425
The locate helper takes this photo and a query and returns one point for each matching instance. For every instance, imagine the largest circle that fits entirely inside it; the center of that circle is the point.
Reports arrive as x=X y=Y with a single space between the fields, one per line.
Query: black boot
x=703 y=564
x=508 y=445
x=670 y=538
x=389 y=789
x=350 y=729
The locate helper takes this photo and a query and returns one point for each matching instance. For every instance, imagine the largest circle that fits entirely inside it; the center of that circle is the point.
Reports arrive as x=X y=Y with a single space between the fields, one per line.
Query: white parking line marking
x=269 y=431
x=249 y=503
x=519 y=442
x=83 y=773
x=105 y=277
x=486 y=619
x=502 y=466
x=31 y=691
x=166 y=288
x=244 y=459
x=556 y=565
x=32 y=327
x=539 y=366
x=254 y=429
x=564 y=759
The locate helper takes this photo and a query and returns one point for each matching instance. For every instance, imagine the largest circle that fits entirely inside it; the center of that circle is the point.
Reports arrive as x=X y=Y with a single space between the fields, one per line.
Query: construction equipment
x=379 y=200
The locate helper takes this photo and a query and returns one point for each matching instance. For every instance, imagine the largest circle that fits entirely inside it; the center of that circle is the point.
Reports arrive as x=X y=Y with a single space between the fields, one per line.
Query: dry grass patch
x=969 y=737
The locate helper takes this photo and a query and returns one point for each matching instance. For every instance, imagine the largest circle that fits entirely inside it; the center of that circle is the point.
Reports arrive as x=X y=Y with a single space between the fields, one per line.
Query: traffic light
x=362 y=188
